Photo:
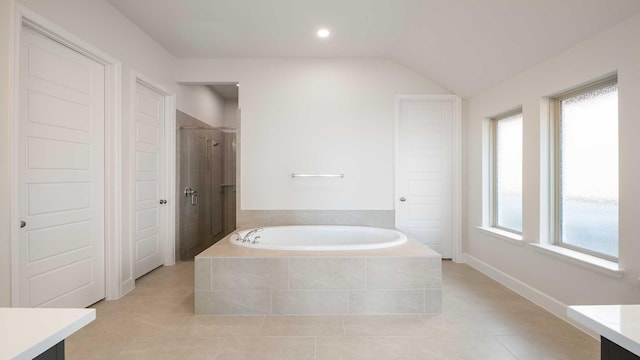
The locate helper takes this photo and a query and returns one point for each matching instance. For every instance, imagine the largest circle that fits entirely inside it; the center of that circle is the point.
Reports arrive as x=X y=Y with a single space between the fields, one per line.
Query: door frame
x=24 y=17
x=168 y=247
x=456 y=166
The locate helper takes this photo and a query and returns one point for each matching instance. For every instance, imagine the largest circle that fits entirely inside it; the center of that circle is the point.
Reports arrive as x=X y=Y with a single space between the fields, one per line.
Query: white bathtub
x=319 y=237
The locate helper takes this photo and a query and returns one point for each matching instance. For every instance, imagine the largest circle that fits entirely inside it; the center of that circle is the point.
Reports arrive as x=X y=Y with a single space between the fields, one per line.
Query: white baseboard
x=128 y=286
x=539 y=298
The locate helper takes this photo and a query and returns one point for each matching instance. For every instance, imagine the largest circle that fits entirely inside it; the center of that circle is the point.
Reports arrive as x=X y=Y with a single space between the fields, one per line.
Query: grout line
x=344 y=328
x=315 y=347
x=495 y=337
x=264 y=318
x=224 y=343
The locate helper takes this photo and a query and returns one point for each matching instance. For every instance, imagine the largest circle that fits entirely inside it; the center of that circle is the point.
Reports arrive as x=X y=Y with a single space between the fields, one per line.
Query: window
x=586 y=170
x=507 y=172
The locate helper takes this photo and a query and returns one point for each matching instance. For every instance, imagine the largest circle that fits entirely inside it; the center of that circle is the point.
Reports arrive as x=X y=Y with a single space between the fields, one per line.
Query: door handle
x=403 y=199
x=22 y=224
x=194 y=199
x=163 y=201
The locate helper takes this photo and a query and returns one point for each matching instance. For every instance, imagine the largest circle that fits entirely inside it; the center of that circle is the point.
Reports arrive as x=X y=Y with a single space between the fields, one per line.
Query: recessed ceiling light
x=323 y=33
x=238 y=84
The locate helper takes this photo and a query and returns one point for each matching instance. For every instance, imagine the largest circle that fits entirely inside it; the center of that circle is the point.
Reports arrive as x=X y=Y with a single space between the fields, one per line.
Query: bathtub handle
x=247 y=238
x=255 y=240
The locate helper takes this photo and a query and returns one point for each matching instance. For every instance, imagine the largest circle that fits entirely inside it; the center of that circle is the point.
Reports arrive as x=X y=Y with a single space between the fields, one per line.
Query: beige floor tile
x=131 y=304
x=162 y=291
x=79 y=348
x=180 y=274
x=268 y=348
x=126 y=304
x=544 y=322
x=474 y=324
x=481 y=320
x=302 y=326
x=356 y=348
x=539 y=346
x=136 y=325
x=470 y=299
x=460 y=348
x=406 y=348
x=472 y=303
x=387 y=325
x=89 y=328
x=219 y=326
x=171 y=349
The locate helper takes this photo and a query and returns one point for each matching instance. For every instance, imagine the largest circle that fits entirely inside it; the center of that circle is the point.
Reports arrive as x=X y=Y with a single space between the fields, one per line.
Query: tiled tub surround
x=405 y=279
x=256 y=218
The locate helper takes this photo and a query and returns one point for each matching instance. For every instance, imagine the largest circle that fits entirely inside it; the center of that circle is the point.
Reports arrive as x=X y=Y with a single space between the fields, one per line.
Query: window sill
x=502 y=235
x=594 y=263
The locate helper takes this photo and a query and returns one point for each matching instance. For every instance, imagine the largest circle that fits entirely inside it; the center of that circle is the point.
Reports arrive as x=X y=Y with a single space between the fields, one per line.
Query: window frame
x=556 y=167
x=493 y=165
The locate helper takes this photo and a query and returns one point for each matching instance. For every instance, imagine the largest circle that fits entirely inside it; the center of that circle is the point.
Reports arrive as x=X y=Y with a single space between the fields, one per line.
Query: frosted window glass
x=589 y=171
x=508 y=173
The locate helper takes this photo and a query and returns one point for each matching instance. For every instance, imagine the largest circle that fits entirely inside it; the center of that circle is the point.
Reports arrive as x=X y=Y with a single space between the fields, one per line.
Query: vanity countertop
x=26 y=333
x=618 y=323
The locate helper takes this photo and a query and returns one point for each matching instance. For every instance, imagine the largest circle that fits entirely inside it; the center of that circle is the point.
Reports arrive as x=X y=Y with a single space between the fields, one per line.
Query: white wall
x=314 y=116
x=100 y=24
x=202 y=103
x=615 y=49
x=231 y=114
x=6 y=34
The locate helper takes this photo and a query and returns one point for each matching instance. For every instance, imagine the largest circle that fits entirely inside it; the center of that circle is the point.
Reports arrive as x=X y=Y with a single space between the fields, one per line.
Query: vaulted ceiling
x=464 y=45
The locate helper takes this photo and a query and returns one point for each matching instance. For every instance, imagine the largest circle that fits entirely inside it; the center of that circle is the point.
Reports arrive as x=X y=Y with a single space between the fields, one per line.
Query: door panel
x=58 y=68
x=425 y=172
x=54 y=111
x=57 y=154
x=150 y=184
x=59 y=197
x=61 y=175
x=56 y=240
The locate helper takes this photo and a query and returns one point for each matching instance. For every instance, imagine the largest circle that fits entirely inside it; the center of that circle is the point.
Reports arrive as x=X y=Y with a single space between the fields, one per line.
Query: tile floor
x=480 y=320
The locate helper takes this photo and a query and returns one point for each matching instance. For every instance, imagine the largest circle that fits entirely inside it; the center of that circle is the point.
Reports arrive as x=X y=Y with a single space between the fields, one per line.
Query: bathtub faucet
x=247 y=237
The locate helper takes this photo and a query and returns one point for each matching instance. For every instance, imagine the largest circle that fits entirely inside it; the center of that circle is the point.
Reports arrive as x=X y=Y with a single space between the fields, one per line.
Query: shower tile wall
x=229 y=184
x=255 y=218
x=202 y=166
x=200 y=169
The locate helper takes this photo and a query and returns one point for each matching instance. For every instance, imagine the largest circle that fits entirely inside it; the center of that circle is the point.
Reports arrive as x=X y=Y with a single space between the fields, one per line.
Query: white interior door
x=424 y=198
x=150 y=207
x=61 y=175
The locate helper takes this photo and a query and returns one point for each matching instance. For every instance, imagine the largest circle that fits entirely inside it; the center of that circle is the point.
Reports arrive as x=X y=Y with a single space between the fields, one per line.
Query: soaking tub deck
x=404 y=279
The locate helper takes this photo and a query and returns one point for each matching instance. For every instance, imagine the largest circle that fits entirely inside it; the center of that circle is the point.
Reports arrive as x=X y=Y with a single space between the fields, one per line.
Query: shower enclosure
x=206 y=210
